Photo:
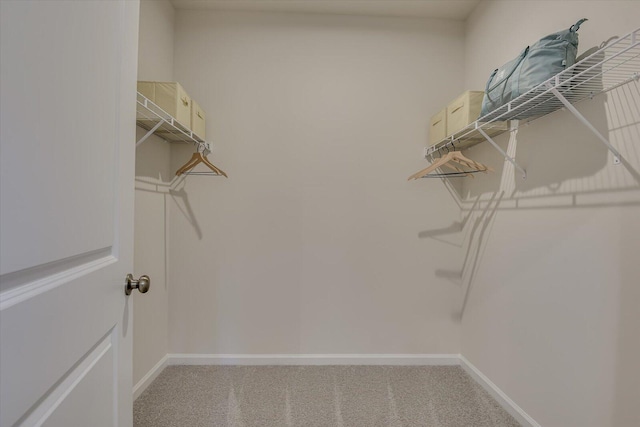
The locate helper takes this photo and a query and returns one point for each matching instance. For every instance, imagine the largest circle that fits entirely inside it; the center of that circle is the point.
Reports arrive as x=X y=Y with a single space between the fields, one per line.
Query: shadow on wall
x=181 y=200
x=154 y=174
x=479 y=221
x=567 y=167
x=176 y=190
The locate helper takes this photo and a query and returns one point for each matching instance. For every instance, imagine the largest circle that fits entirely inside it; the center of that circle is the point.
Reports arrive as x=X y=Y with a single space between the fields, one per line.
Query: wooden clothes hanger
x=460 y=158
x=433 y=166
x=452 y=156
x=197 y=158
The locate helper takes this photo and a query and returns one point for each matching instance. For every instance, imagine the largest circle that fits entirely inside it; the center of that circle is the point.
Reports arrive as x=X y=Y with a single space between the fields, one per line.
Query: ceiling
x=443 y=9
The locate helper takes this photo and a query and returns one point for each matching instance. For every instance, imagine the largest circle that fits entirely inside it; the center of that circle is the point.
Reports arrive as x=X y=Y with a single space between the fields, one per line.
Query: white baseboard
x=149 y=377
x=313 y=359
x=509 y=405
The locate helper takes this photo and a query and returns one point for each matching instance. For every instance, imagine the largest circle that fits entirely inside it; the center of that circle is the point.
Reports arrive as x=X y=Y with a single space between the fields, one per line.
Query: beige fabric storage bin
x=438 y=127
x=197 y=119
x=463 y=110
x=148 y=90
x=172 y=98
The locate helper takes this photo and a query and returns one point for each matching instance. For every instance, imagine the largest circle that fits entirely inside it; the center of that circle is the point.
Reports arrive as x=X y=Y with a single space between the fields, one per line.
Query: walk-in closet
x=343 y=213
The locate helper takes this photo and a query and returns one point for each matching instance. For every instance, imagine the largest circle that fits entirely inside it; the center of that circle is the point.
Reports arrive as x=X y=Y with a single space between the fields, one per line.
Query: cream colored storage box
x=438 y=127
x=197 y=119
x=463 y=110
x=172 y=98
x=148 y=90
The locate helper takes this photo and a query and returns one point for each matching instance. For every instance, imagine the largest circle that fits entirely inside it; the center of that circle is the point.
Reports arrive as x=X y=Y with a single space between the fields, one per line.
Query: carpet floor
x=331 y=396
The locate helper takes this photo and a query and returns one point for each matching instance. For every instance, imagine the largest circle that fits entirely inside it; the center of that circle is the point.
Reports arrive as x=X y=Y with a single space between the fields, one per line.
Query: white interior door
x=67 y=136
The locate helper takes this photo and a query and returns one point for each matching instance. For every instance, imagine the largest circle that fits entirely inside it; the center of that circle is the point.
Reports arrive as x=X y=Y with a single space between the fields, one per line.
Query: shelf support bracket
x=501 y=151
x=576 y=113
x=148 y=134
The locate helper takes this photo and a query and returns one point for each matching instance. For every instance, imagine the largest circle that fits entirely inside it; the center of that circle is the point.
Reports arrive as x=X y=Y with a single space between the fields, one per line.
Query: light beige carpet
x=336 y=396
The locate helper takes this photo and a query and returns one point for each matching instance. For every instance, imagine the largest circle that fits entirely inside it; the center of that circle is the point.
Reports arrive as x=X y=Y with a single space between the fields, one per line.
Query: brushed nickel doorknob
x=142 y=284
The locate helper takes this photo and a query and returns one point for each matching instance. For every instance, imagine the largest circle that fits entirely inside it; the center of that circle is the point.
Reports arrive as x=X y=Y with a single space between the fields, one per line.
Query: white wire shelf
x=156 y=121
x=614 y=65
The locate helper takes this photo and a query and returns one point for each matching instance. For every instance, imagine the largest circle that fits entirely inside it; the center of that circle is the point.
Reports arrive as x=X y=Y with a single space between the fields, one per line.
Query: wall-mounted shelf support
x=157 y=121
x=148 y=134
x=611 y=66
x=583 y=119
x=204 y=147
x=501 y=151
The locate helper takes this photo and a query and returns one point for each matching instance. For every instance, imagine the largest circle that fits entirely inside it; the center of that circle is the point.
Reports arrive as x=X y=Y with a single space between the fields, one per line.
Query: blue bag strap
x=489 y=89
x=486 y=88
x=575 y=27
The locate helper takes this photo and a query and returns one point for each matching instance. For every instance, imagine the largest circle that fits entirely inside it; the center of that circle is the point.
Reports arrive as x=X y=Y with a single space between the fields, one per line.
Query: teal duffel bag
x=535 y=64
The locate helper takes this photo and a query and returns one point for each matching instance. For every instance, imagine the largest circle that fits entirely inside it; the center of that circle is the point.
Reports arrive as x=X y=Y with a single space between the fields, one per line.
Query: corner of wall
x=153 y=175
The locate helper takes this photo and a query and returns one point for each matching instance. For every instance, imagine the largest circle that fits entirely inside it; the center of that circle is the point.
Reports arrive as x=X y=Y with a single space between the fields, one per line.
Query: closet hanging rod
x=449 y=175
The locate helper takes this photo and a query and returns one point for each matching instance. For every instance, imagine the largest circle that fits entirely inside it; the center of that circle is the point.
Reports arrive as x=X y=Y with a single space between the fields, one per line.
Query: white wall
x=157 y=32
x=314 y=244
x=155 y=62
x=551 y=263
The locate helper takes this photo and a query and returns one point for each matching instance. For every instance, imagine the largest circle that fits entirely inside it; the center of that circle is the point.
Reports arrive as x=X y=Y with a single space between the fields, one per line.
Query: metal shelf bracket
x=587 y=123
x=149 y=133
x=501 y=151
x=618 y=60
x=157 y=121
